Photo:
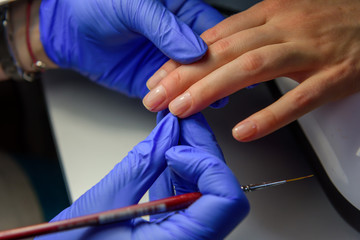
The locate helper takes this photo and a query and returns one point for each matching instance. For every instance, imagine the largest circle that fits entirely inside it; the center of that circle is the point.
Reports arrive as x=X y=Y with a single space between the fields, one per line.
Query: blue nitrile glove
x=223 y=204
x=121 y=43
x=128 y=181
x=123 y=186
x=198 y=165
x=194 y=131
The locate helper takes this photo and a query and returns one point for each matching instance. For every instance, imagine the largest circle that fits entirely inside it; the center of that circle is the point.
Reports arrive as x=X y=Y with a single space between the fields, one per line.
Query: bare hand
x=314 y=42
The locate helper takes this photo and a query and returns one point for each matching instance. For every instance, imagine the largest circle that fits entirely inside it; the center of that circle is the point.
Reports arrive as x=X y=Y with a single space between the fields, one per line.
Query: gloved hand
x=121 y=43
x=198 y=165
x=128 y=181
x=195 y=132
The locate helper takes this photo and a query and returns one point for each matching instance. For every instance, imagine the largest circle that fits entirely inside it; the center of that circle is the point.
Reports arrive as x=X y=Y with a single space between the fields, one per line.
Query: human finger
x=198 y=15
x=163 y=186
x=220 y=53
x=255 y=66
x=221 y=193
x=310 y=94
x=234 y=24
x=168 y=67
x=195 y=132
x=253 y=17
x=124 y=185
x=156 y=22
x=161 y=73
x=127 y=182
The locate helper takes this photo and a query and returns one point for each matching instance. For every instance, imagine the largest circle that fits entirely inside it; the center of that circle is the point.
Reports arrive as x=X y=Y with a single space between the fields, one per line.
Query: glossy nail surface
x=156 y=78
x=244 y=130
x=154 y=98
x=180 y=104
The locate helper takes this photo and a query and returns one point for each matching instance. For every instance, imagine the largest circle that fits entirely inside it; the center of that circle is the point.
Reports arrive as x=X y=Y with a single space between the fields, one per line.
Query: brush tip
x=299 y=178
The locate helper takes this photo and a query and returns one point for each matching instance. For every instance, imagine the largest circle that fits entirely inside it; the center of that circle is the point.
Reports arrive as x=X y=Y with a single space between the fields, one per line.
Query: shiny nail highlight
x=244 y=130
x=180 y=104
x=154 y=98
x=156 y=78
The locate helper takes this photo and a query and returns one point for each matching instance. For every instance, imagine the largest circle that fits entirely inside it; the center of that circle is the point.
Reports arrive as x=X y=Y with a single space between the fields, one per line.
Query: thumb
x=221 y=193
x=196 y=132
x=172 y=36
x=127 y=182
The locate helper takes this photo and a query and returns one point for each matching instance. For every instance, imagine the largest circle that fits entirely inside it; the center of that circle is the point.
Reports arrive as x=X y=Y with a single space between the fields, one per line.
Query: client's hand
x=314 y=42
x=222 y=206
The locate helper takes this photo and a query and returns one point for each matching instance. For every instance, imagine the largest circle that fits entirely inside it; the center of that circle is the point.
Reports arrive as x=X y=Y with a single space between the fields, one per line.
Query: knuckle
x=176 y=78
x=300 y=99
x=349 y=68
x=274 y=5
x=269 y=117
x=345 y=80
x=220 y=47
x=252 y=62
x=210 y=36
x=175 y=81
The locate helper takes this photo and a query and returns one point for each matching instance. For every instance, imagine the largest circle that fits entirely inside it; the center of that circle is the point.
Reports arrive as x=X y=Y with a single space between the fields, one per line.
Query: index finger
x=223 y=204
x=245 y=20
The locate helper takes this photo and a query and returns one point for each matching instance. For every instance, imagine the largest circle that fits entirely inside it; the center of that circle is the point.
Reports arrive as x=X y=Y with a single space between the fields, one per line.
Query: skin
x=314 y=42
x=17 y=23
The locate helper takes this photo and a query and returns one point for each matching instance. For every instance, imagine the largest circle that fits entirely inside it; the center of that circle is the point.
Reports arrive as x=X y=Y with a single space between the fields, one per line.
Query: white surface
x=89 y=151
x=333 y=131
x=95 y=128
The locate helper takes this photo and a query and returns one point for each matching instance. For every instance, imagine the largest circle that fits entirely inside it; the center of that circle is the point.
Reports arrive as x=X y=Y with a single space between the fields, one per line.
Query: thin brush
x=121 y=214
x=253 y=187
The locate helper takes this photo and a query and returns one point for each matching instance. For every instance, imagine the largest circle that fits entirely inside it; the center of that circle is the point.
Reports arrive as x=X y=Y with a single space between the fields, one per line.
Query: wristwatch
x=8 y=62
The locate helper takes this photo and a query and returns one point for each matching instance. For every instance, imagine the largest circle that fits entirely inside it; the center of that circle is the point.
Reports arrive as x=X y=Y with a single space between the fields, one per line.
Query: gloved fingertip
x=165 y=134
x=200 y=16
x=176 y=155
x=196 y=132
x=172 y=36
x=178 y=41
x=187 y=161
x=184 y=47
x=210 y=173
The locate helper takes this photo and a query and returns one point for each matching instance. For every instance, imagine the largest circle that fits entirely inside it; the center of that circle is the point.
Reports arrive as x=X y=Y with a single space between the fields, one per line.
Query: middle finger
x=219 y=54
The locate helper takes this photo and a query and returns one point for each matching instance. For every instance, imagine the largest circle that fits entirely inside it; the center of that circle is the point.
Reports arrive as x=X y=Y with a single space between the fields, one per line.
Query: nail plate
x=244 y=130
x=180 y=104
x=156 y=78
x=154 y=98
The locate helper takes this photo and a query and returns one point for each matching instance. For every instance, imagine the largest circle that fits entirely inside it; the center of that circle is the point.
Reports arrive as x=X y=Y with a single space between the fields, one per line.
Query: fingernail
x=154 y=98
x=180 y=104
x=244 y=130
x=156 y=78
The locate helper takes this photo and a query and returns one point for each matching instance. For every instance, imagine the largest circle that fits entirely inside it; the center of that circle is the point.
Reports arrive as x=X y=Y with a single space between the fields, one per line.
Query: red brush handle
x=121 y=214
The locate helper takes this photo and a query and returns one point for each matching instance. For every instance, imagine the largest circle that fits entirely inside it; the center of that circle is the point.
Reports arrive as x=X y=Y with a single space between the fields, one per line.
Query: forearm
x=17 y=27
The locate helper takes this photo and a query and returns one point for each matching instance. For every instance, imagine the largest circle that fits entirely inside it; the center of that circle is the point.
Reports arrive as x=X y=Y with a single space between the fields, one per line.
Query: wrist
x=21 y=48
